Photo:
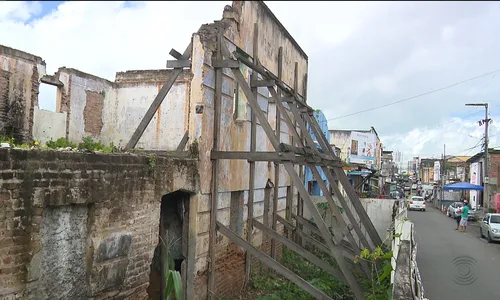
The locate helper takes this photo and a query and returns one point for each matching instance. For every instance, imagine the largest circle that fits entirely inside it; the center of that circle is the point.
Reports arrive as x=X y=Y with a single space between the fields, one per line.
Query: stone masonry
x=82 y=226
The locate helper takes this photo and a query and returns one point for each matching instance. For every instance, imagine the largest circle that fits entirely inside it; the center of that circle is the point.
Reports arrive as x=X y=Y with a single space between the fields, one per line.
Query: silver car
x=490 y=227
x=453 y=209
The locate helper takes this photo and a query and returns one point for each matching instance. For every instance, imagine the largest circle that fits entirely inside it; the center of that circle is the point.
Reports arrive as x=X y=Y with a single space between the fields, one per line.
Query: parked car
x=490 y=227
x=453 y=211
x=416 y=202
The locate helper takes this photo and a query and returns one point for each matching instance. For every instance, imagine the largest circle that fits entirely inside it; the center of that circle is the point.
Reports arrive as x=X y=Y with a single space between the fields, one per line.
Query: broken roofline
x=8 y=51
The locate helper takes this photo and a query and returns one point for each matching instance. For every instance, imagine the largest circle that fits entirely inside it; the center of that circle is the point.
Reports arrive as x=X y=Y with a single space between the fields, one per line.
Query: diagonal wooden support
x=252 y=100
x=183 y=142
x=267 y=260
x=335 y=188
x=157 y=101
x=300 y=251
x=339 y=173
x=336 y=212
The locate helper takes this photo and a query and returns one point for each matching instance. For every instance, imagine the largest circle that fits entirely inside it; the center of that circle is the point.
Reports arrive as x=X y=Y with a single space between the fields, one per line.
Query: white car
x=490 y=227
x=417 y=203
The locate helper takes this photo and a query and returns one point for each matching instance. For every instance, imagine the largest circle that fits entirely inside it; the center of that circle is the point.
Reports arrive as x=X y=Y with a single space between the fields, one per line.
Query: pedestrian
x=465 y=216
x=458 y=216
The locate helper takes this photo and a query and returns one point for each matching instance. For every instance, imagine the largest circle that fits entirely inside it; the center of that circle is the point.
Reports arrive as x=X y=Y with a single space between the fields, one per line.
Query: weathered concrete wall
x=379 y=210
x=20 y=73
x=76 y=226
x=48 y=125
x=342 y=140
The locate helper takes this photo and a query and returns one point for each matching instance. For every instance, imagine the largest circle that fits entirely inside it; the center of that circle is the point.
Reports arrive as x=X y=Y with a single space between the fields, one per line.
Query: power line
x=417 y=96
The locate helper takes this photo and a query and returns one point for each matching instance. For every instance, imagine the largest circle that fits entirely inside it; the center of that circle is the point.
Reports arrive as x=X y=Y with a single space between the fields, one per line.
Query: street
x=454 y=265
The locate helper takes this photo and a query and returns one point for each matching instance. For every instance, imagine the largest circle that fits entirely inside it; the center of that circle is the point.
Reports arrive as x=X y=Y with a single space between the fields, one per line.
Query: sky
x=405 y=68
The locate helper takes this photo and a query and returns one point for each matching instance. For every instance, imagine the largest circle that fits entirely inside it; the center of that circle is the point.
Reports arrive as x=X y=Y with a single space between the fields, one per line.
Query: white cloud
x=19 y=10
x=462 y=136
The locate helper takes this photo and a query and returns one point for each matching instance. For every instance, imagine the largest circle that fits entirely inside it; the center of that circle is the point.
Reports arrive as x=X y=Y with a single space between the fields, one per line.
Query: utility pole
x=485 y=175
x=444 y=170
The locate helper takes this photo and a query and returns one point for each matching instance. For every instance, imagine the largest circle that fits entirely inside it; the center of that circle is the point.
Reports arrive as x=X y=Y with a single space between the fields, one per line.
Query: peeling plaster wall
x=77 y=86
x=136 y=90
x=20 y=73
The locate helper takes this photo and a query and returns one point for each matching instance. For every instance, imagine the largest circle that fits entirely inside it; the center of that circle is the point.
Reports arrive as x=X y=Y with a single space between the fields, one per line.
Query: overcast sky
x=361 y=56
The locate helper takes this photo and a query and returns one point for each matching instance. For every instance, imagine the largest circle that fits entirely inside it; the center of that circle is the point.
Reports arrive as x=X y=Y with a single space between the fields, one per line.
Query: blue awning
x=359 y=173
x=463 y=186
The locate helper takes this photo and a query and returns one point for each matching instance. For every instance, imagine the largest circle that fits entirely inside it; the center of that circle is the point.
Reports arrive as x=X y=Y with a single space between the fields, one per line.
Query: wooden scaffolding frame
x=302 y=152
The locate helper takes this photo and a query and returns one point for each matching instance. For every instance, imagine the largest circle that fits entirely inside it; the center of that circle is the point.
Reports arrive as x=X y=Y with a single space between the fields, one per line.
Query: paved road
x=438 y=244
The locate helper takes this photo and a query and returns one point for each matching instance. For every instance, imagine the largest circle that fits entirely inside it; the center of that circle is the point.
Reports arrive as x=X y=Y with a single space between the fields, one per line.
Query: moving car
x=490 y=227
x=416 y=202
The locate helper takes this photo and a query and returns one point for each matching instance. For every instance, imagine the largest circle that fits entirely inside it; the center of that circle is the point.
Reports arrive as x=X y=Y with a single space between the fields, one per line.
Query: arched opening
x=172 y=240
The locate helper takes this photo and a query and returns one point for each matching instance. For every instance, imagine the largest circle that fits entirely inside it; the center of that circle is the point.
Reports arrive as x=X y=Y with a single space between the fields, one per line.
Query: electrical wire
x=417 y=96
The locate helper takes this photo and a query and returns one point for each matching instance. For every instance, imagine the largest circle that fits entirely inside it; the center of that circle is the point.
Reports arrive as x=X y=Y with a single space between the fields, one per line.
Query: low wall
x=82 y=226
x=379 y=211
x=405 y=276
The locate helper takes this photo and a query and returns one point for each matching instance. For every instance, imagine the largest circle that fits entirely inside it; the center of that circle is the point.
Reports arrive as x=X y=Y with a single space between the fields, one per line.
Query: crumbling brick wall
x=19 y=81
x=78 y=226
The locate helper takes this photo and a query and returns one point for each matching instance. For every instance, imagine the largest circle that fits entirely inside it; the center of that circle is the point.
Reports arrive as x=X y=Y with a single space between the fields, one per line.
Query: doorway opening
x=171 y=250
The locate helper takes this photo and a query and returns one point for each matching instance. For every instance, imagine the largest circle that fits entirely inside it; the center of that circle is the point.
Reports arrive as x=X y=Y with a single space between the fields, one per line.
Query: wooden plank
x=342 y=229
x=252 y=156
x=253 y=148
x=264 y=258
x=215 y=174
x=348 y=253
x=340 y=175
x=252 y=100
x=184 y=63
x=174 y=53
x=183 y=142
x=300 y=251
x=268 y=74
x=226 y=63
x=277 y=166
x=156 y=103
x=262 y=83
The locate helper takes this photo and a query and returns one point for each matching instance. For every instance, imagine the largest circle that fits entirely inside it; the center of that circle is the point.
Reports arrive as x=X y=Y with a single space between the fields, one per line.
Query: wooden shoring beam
x=157 y=101
x=253 y=148
x=183 y=142
x=277 y=157
x=215 y=174
x=273 y=264
x=339 y=173
x=264 y=72
x=346 y=251
x=344 y=229
x=277 y=166
x=252 y=100
x=343 y=226
x=174 y=64
x=300 y=251
x=262 y=83
x=227 y=63
x=253 y=156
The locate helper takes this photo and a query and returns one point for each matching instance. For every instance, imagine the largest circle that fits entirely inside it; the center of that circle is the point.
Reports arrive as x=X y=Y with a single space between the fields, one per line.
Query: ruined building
x=86 y=226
